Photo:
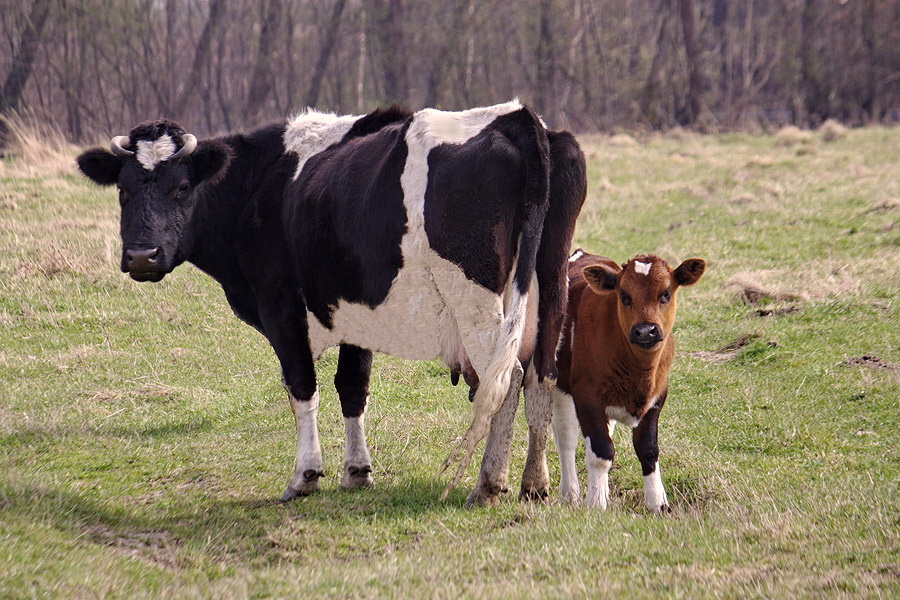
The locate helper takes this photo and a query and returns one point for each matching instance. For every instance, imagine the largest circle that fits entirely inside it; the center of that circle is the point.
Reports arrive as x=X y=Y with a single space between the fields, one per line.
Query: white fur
x=598 y=478
x=432 y=309
x=310 y=132
x=309 y=453
x=151 y=153
x=642 y=268
x=655 y=498
x=565 y=436
x=576 y=255
x=622 y=416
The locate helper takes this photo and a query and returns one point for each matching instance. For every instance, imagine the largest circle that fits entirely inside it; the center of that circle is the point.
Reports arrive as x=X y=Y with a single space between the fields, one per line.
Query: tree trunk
x=261 y=80
x=201 y=58
x=695 y=75
x=392 y=41
x=327 y=48
x=23 y=62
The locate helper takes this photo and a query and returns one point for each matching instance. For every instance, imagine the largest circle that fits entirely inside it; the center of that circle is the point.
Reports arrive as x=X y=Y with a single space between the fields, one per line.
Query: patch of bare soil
x=873 y=362
x=726 y=352
x=751 y=292
x=159 y=547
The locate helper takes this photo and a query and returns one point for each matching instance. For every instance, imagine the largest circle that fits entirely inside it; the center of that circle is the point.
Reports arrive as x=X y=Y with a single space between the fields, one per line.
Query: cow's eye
x=626 y=299
x=183 y=190
x=123 y=197
x=665 y=297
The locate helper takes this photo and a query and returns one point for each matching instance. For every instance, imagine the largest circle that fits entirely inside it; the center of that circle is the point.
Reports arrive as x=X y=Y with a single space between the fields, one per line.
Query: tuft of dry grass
x=792 y=136
x=37 y=149
x=833 y=131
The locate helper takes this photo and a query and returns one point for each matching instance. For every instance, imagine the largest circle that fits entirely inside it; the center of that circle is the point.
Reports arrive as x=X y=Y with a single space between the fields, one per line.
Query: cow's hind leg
x=352 y=384
x=494 y=474
x=535 y=477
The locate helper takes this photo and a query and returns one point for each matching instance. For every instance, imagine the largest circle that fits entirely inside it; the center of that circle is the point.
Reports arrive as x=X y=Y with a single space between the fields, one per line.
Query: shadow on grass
x=184 y=530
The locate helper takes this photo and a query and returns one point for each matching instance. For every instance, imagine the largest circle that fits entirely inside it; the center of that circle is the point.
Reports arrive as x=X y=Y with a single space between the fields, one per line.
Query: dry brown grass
x=36 y=149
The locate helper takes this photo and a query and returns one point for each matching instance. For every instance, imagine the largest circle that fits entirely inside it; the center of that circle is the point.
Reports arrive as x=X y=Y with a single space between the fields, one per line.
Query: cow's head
x=646 y=288
x=156 y=167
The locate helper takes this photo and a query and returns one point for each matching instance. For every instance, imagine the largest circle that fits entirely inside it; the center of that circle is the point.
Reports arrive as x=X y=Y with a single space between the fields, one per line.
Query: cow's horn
x=117 y=145
x=190 y=143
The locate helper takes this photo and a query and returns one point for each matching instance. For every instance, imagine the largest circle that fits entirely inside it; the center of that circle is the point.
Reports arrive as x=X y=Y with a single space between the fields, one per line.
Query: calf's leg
x=644 y=438
x=599 y=453
x=565 y=436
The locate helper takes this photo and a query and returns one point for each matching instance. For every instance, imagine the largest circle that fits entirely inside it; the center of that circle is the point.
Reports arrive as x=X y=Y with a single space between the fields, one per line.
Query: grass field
x=145 y=436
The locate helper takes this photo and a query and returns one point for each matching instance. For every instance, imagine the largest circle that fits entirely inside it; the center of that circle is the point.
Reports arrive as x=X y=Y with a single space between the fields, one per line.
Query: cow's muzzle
x=646 y=335
x=143 y=264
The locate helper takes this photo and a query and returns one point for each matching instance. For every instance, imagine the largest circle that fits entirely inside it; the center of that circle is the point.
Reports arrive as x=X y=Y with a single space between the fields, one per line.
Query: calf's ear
x=210 y=161
x=599 y=278
x=690 y=271
x=99 y=166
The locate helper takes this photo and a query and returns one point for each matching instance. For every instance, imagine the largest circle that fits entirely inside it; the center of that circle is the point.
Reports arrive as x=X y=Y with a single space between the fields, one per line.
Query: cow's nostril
x=142 y=259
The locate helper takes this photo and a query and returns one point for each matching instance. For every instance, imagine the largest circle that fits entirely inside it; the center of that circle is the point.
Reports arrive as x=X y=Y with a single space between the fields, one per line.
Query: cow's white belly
x=418 y=319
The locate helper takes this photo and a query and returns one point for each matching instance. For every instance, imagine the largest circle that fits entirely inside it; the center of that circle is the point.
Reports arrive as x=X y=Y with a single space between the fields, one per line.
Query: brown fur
x=598 y=364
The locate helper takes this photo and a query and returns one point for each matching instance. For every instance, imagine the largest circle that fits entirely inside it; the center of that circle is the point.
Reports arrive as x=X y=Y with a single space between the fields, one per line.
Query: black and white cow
x=425 y=235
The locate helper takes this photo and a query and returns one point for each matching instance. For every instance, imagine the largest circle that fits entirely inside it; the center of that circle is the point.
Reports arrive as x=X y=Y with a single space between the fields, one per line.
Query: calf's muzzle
x=646 y=335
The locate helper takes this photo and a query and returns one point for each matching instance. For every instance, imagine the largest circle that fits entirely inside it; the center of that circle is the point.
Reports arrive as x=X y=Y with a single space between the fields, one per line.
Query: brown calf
x=614 y=358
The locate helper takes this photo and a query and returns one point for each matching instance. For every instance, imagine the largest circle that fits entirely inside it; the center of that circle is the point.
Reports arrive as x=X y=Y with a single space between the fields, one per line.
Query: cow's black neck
x=249 y=195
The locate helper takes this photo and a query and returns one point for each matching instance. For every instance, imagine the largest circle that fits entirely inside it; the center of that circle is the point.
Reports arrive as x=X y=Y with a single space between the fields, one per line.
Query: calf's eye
x=626 y=299
x=665 y=297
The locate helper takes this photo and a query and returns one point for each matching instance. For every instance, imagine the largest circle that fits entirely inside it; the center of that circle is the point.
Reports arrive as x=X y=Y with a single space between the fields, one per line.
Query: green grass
x=145 y=436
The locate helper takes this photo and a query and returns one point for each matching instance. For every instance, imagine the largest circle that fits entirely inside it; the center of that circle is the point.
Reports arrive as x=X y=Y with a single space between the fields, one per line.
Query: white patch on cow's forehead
x=151 y=153
x=642 y=267
x=576 y=255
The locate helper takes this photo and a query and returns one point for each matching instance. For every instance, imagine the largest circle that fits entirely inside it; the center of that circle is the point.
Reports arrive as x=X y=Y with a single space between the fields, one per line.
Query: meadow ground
x=145 y=436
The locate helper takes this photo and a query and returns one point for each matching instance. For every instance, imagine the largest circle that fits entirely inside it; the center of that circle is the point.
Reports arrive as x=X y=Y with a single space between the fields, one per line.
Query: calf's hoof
x=309 y=484
x=662 y=509
x=357 y=477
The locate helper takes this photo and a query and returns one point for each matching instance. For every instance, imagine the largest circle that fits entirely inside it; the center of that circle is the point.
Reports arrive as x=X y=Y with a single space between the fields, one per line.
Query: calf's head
x=645 y=290
x=156 y=167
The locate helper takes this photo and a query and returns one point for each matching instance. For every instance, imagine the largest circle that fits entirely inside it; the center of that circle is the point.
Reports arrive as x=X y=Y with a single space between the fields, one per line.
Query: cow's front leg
x=308 y=461
x=285 y=330
x=352 y=384
x=646 y=447
x=599 y=454
x=538 y=410
x=493 y=476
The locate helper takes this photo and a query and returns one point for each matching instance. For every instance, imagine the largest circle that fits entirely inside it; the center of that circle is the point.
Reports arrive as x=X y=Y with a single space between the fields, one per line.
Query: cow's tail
x=568 y=188
x=530 y=137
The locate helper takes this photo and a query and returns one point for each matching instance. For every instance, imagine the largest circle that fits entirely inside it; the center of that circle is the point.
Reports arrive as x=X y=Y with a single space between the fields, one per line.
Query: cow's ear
x=690 y=271
x=100 y=166
x=210 y=160
x=600 y=278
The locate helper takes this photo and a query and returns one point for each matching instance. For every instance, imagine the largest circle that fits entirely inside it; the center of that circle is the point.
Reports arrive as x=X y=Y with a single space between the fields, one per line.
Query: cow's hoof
x=534 y=495
x=357 y=477
x=662 y=509
x=485 y=497
x=309 y=484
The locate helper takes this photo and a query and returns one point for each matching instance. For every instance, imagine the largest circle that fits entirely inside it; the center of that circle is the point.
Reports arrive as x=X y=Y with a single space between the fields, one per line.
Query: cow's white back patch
x=151 y=153
x=310 y=132
x=642 y=268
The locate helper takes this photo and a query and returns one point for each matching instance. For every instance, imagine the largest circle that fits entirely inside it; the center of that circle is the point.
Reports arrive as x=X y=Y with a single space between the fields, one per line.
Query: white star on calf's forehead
x=642 y=267
x=151 y=153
